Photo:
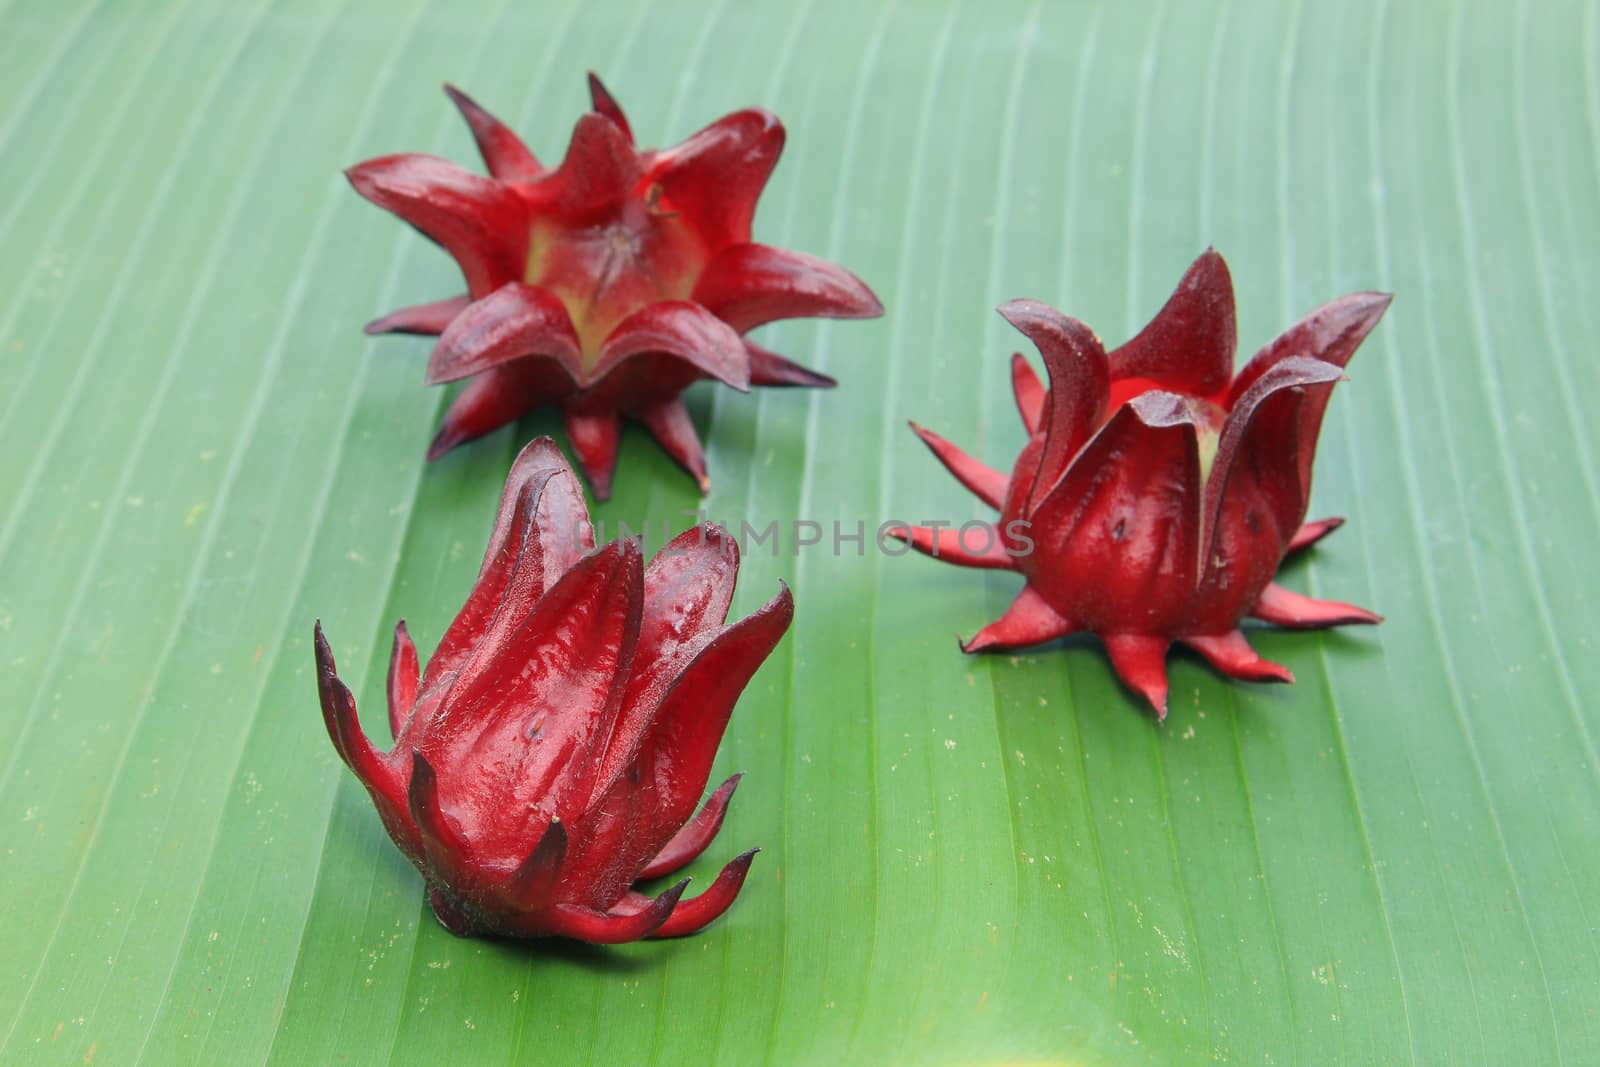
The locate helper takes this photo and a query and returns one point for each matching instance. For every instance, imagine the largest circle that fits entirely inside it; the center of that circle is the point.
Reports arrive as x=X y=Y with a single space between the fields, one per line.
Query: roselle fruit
x=607 y=285
x=554 y=750
x=1159 y=491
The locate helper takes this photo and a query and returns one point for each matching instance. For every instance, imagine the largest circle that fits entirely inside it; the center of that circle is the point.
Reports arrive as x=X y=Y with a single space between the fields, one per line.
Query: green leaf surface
x=965 y=860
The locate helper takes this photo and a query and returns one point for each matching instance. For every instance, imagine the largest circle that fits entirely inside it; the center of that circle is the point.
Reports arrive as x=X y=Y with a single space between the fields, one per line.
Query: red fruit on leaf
x=606 y=285
x=1159 y=491
x=555 y=749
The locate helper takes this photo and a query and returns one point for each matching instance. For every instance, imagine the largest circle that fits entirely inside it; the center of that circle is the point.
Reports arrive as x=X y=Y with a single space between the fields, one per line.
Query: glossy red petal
x=770 y=369
x=1262 y=469
x=560 y=516
x=748 y=285
x=675 y=753
x=1140 y=661
x=1029 y=393
x=403 y=672
x=599 y=171
x=682 y=329
x=540 y=532
x=959 y=545
x=688 y=587
x=427 y=319
x=499 y=396
x=1127 y=512
x=698 y=912
x=1079 y=384
x=1189 y=345
x=518 y=728
x=1231 y=654
x=515 y=321
x=713 y=179
x=987 y=484
x=1312 y=532
x=697 y=833
x=614 y=927
x=507 y=158
x=606 y=105
x=1028 y=621
x=595 y=437
x=669 y=423
x=1332 y=333
x=480 y=222
x=1284 y=607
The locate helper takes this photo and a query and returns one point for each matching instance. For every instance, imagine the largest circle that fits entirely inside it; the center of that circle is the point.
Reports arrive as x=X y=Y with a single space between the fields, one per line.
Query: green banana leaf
x=965 y=860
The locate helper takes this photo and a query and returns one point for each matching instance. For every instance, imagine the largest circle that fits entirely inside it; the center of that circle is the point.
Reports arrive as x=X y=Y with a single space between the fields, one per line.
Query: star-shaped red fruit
x=607 y=285
x=554 y=750
x=1159 y=491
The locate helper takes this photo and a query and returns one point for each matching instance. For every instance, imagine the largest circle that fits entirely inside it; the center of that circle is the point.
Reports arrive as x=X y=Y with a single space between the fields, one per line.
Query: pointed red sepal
x=987 y=484
x=616 y=926
x=500 y=395
x=441 y=839
x=595 y=437
x=699 y=911
x=1231 y=654
x=1028 y=621
x=532 y=883
x=606 y=104
x=1189 y=345
x=1312 y=532
x=1332 y=333
x=1140 y=661
x=695 y=835
x=770 y=369
x=1029 y=393
x=515 y=321
x=403 y=673
x=683 y=329
x=953 y=546
x=748 y=285
x=343 y=725
x=427 y=319
x=1284 y=607
x=479 y=221
x=715 y=177
x=507 y=158
x=1079 y=385
x=670 y=425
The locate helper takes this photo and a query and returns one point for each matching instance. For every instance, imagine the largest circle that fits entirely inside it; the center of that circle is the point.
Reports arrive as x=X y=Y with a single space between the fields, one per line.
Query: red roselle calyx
x=606 y=285
x=1159 y=491
x=553 y=752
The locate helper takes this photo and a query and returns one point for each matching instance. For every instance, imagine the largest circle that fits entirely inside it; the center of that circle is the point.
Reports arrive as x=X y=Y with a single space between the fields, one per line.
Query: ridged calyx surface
x=553 y=752
x=1159 y=491
x=606 y=285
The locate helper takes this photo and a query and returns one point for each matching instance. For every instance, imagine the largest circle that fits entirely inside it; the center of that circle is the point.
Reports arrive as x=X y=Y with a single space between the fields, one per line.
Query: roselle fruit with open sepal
x=555 y=749
x=1159 y=491
x=607 y=285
